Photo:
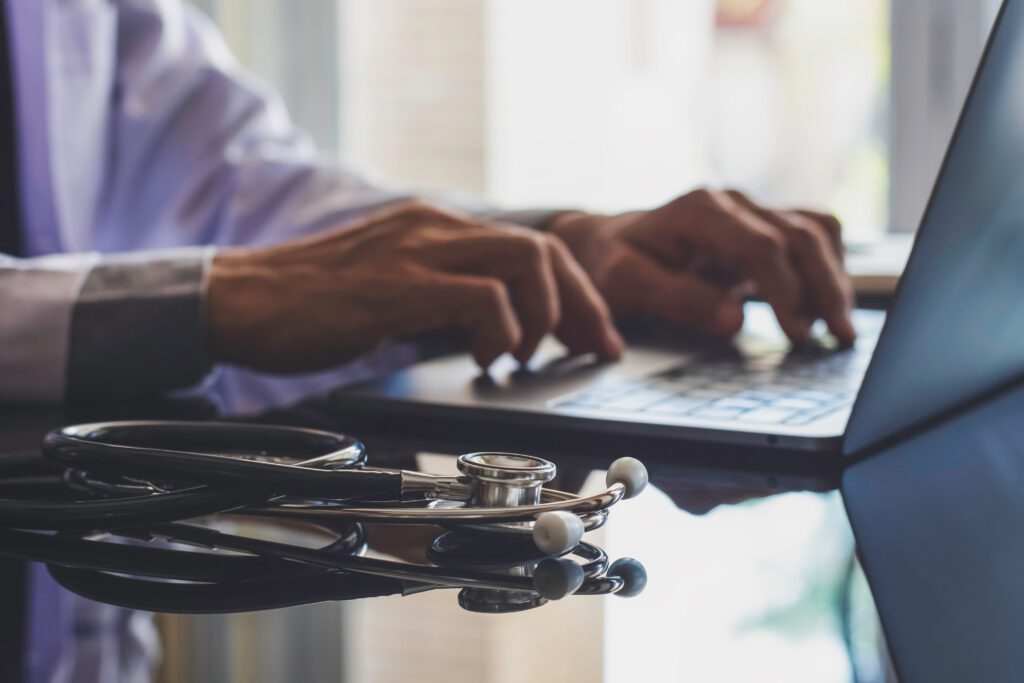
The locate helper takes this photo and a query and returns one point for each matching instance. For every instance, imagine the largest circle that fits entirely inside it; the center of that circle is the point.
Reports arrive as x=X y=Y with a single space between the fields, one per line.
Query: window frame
x=935 y=47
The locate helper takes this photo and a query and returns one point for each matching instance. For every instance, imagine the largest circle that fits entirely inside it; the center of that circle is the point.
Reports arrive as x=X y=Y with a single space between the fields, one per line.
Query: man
x=139 y=138
x=161 y=214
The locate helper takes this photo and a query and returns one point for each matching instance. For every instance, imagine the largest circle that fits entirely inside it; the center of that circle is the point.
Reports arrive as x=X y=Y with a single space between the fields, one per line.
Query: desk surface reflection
x=743 y=581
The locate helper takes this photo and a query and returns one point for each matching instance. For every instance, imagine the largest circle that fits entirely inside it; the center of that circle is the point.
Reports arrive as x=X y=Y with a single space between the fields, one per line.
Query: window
x=622 y=103
x=935 y=47
x=609 y=104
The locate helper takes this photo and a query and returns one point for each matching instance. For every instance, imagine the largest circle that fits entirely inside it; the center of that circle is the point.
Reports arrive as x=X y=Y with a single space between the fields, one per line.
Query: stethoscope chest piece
x=488 y=601
x=505 y=479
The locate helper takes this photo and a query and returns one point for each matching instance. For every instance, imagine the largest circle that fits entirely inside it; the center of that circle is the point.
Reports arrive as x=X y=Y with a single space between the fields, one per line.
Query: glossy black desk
x=761 y=587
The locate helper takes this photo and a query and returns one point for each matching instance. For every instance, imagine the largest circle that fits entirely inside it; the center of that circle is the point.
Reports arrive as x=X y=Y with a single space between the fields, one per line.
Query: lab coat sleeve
x=137 y=326
x=203 y=153
x=199 y=154
x=36 y=299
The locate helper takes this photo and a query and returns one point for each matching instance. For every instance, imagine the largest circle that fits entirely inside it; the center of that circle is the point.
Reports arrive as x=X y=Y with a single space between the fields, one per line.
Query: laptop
x=937 y=519
x=953 y=334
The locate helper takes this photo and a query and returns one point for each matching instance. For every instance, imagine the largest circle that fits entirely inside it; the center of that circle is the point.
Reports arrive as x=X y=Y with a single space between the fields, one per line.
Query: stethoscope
x=121 y=569
x=151 y=473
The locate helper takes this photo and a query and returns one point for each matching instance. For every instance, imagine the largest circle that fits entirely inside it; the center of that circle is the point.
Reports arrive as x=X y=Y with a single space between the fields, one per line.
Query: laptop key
x=706 y=394
x=777 y=387
x=768 y=415
x=795 y=404
x=759 y=396
x=726 y=388
x=736 y=403
x=609 y=391
x=637 y=400
x=816 y=396
x=681 y=386
x=677 y=405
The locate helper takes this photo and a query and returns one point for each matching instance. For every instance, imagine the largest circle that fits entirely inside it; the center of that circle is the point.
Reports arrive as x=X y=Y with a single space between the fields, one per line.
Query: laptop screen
x=956 y=328
x=937 y=518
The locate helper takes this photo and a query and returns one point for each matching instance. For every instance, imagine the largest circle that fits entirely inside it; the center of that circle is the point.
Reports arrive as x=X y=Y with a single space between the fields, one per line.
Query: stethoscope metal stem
x=441 y=515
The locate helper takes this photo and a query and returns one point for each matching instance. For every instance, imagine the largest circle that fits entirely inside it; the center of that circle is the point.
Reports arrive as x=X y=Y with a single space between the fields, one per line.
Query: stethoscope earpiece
x=633 y=575
x=557 y=532
x=555 y=578
x=629 y=472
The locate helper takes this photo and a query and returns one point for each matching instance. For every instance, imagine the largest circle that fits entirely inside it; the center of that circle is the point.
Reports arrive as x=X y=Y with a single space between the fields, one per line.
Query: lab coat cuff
x=36 y=299
x=137 y=327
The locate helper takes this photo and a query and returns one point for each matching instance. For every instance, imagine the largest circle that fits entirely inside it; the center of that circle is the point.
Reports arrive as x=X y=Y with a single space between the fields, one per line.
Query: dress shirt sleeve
x=112 y=325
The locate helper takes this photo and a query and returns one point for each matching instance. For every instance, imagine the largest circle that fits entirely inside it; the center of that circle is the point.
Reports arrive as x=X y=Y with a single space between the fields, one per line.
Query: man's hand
x=319 y=301
x=692 y=261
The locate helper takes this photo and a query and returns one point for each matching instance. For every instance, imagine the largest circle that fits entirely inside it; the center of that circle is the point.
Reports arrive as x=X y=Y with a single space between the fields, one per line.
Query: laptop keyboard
x=788 y=389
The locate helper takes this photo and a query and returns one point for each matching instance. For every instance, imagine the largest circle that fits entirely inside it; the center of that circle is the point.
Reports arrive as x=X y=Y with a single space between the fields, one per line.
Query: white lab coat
x=154 y=138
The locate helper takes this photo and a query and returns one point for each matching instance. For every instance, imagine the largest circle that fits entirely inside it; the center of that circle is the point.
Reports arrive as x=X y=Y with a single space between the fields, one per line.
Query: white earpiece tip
x=629 y=472
x=557 y=532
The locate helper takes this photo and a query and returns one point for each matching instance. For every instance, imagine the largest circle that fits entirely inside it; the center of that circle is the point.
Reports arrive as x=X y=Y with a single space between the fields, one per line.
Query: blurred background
x=612 y=104
x=844 y=105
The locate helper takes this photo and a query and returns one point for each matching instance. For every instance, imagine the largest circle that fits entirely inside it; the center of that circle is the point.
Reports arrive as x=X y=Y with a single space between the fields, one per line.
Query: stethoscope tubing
x=224 y=596
x=440 y=575
x=154 y=474
x=61 y=514
x=148 y=476
x=274 y=562
x=219 y=456
x=136 y=559
x=123 y=448
x=292 y=584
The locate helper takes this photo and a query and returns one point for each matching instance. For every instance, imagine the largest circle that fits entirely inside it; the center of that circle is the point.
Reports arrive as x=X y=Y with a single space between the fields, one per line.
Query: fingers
x=535 y=296
x=547 y=289
x=686 y=299
x=827 y=289
x=586 y=324
x=522 y=261
x=482 y=307
x=830 y=292
x=830 y=224
x=791 y=258
x=741 y=238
